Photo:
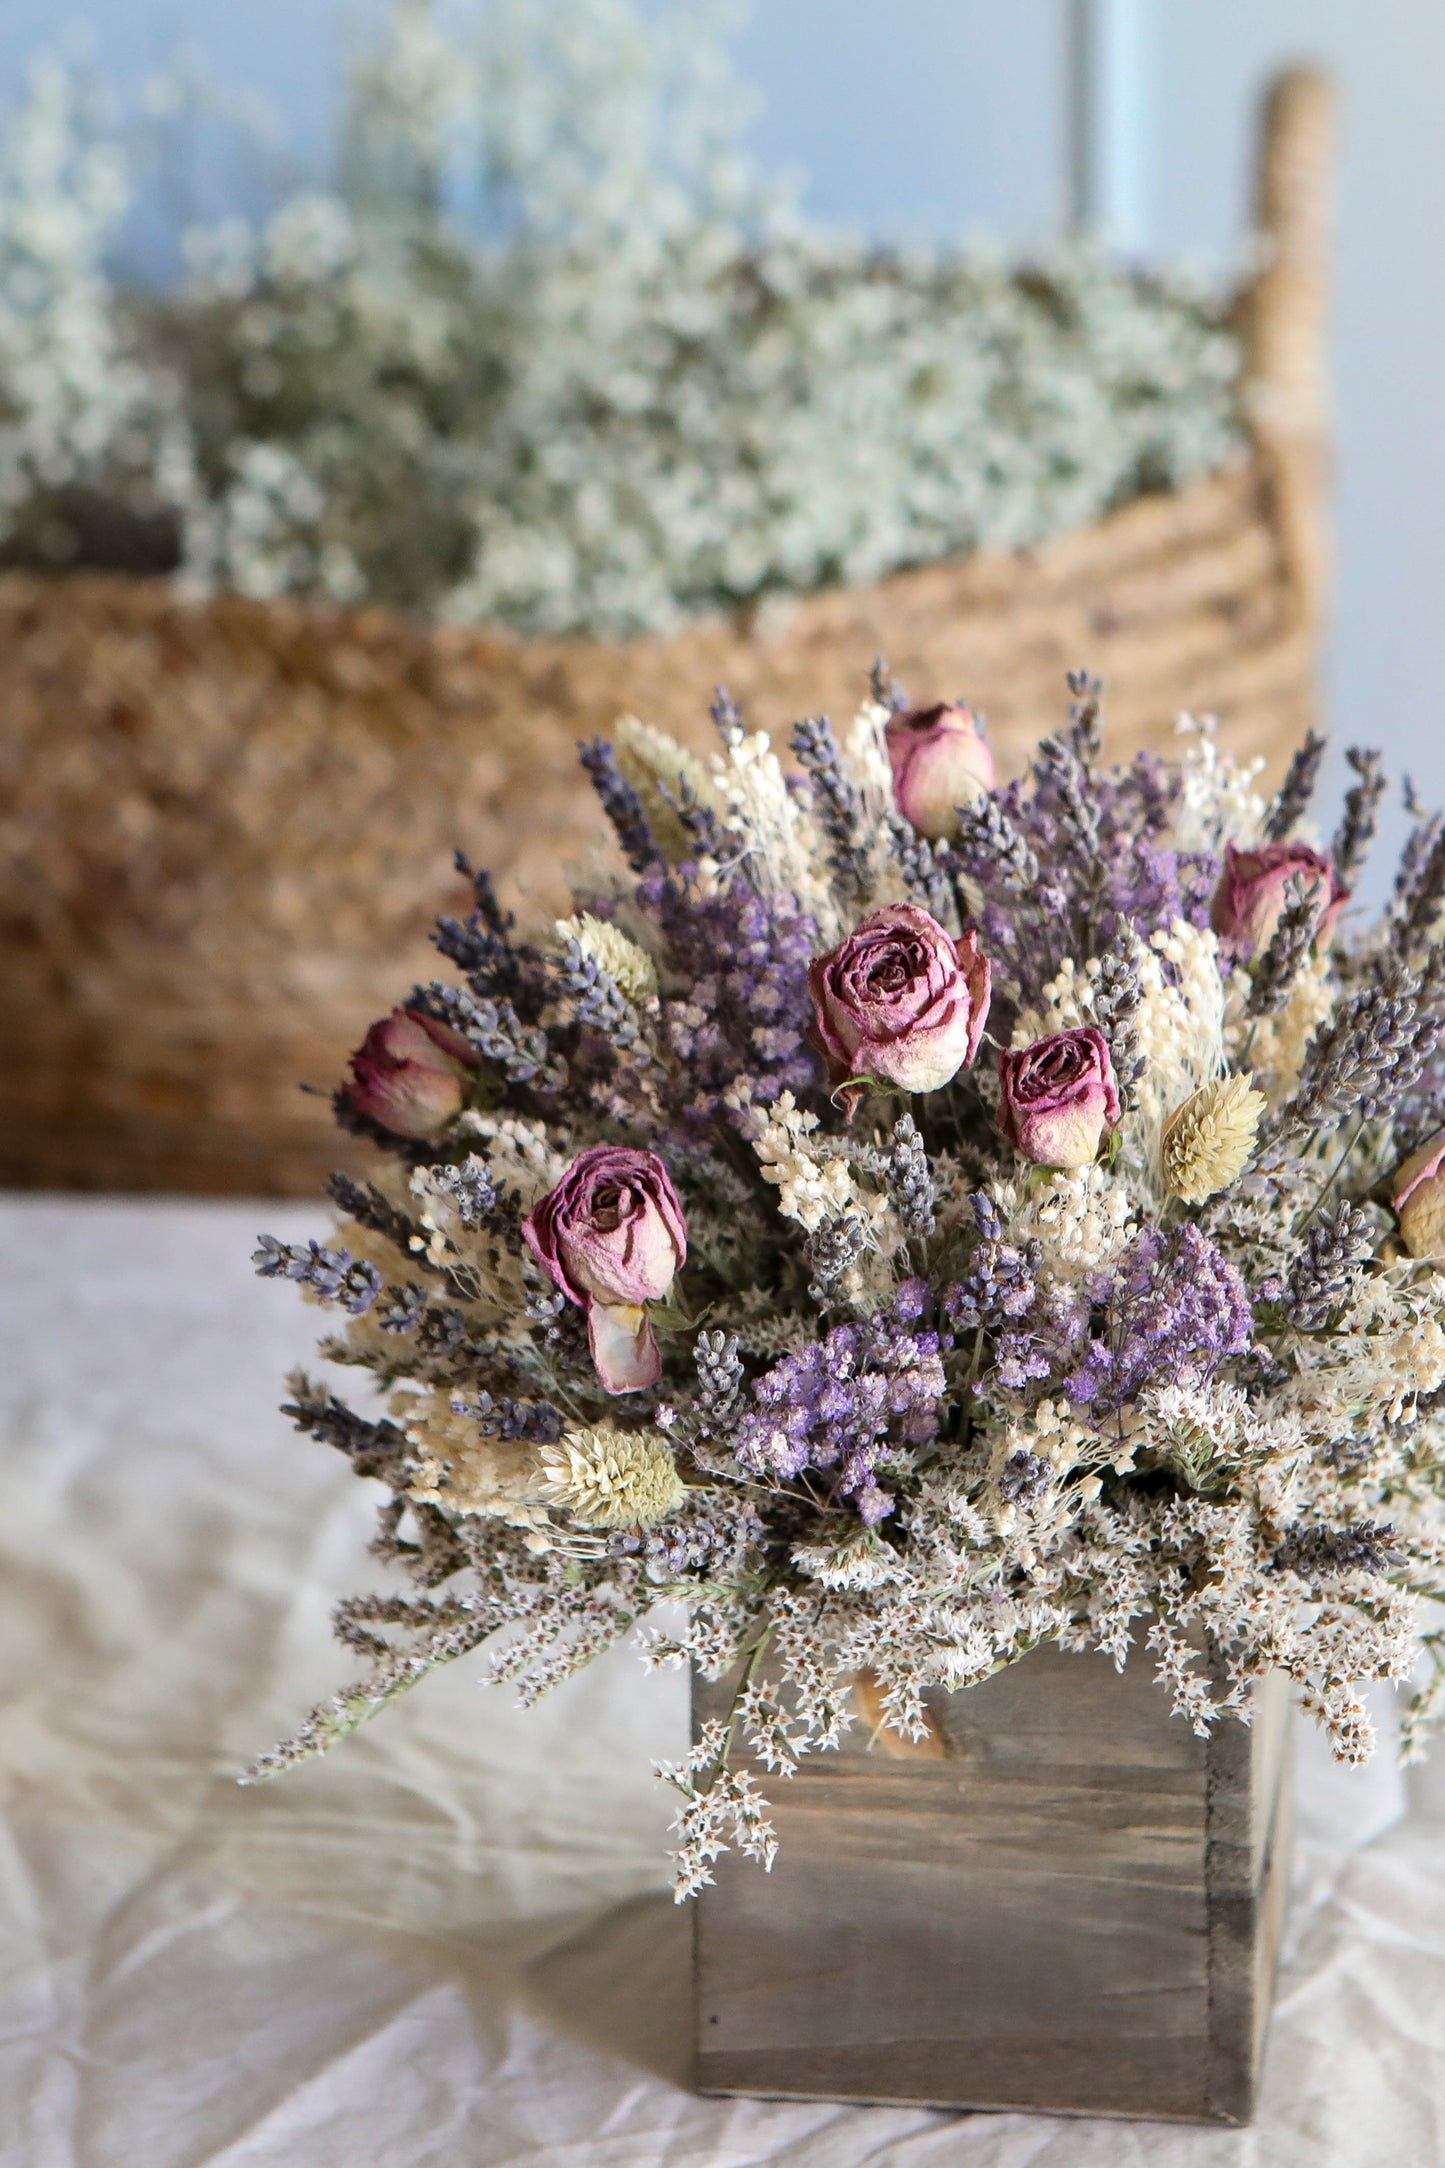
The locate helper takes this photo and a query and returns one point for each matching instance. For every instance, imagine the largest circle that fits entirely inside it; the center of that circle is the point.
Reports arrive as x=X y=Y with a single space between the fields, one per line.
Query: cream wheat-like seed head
x=1208 y=1140
x=607 y=1478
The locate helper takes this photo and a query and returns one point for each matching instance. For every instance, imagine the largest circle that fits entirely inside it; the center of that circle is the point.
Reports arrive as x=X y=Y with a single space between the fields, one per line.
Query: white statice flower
x=1067 y=1004
x=462 y=1470
x=1203 y=1428
x=629 y=966
x=1083 y=1218
x=819 y=1188
x=779 y=832
x=490 y=1268
x=1218 y=803
x=1180 y=1026
x=1277 y=1043
x=860 y=1561
x=865 y=752
x=1387 y=1349
x=815 y=1183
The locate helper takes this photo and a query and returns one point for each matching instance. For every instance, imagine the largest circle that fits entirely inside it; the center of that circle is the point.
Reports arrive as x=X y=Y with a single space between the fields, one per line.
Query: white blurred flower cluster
x=548 y=352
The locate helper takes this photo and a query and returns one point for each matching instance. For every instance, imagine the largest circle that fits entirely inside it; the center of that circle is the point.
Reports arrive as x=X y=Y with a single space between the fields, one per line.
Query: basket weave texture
x=225 y=827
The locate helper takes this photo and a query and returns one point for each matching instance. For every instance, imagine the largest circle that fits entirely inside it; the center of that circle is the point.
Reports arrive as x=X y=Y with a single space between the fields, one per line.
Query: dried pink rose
x=940 y=761
x=1418 y=1195
x=612 y=1236
x=1254 y=889
x=408 y=1074
x=1060 y=1098
x=899 y=1001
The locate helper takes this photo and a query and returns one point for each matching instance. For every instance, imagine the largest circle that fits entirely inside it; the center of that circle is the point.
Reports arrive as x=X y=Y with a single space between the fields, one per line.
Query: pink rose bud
x=1255 y=887
x=408 y=1074
x=1418 y=1193
x=612 y=1237
x=899 y=1001
x=1059 y=1098
x=940 y=761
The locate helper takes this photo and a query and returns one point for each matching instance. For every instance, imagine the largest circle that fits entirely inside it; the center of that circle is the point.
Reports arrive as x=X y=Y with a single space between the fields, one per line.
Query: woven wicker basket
x=225 y=827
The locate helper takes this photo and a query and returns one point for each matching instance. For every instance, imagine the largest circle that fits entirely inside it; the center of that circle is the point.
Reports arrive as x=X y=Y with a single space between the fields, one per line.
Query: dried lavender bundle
x=899 y=1248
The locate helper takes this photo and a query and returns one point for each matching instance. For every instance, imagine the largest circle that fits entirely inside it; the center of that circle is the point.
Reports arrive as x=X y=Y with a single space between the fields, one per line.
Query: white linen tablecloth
x=451 y=1942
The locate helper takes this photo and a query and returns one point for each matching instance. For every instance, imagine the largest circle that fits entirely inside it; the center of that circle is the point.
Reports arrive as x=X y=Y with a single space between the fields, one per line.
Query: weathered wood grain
x=1074 y=1909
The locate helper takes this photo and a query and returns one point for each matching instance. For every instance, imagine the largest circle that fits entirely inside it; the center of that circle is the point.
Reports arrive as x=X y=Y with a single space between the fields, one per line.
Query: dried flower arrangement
x=904 y=1220
x=625 y=385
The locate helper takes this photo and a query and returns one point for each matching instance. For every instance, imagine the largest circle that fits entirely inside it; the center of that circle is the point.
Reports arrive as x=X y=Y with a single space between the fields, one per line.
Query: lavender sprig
x=373 y=1448
x=1356 y=832
x=620 y=803
x=1319 y=1552
x=478 y=1196
x=522 y=1052
x=719 y=1374
x=927 y=868
x=832 y=1250
x=989 y=847
x=838 y=805
x=1426 y=894
x=601 y=1003
x=364 y=1203
x=1117 y=999
x=1371 y=1052
x=1289 y=945
x=1297 y=789
x=1320 y=1277
x=903 y=1164
x=481 y=945
x=884 y=689
x=727 y=719
x=332 y=1274
x=1061 y=772
x=1086 y=716
x=1025 y=1478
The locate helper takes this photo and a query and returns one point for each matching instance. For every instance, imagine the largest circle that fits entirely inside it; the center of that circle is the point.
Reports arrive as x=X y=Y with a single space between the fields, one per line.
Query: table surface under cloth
x=451 y=1942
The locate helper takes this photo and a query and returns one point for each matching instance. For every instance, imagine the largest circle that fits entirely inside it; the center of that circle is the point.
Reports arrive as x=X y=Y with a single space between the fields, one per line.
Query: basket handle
x=1284 y=317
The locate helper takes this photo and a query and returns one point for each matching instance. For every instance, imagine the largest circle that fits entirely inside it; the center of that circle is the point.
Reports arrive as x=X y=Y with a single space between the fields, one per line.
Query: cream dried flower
x=608 y=1478
x=1209 y=1138
x=629 y=966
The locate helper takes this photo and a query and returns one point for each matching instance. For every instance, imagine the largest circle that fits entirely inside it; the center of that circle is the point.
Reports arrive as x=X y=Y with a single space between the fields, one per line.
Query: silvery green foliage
x=625 y=386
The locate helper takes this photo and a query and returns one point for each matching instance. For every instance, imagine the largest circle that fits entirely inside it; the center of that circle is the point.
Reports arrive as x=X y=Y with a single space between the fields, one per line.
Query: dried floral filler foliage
x=903 y=1220
x=546 y=349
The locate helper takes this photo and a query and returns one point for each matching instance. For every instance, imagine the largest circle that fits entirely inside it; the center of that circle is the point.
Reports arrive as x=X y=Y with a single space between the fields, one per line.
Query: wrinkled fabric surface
x=451 y=1942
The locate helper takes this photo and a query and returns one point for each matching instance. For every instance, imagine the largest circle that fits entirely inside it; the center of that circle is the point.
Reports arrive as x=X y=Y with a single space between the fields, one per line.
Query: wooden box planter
x=225 y=826
x=1067 y=1904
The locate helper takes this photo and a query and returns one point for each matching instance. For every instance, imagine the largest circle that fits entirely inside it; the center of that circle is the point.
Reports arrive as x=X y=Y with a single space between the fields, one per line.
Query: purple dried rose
x=612 y=1237
x=1060 y=1098
x=409 y=1074
x=1418 y=1195
x=1255 y=887
x=940 y=761
x=899 y=1001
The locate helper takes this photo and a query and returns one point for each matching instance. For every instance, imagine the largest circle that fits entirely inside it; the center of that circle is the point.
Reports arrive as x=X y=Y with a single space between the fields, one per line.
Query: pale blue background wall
x=919 y=118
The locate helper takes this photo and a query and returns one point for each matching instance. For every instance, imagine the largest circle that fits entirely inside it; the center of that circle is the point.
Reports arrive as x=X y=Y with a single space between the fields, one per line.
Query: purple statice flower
x=843 y=1403
x=744 y=960
x=1176 y=1309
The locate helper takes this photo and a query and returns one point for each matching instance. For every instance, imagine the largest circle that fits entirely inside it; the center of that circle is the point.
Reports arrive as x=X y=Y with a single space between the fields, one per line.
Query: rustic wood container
x=226 y=826
x=1067 y=1904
